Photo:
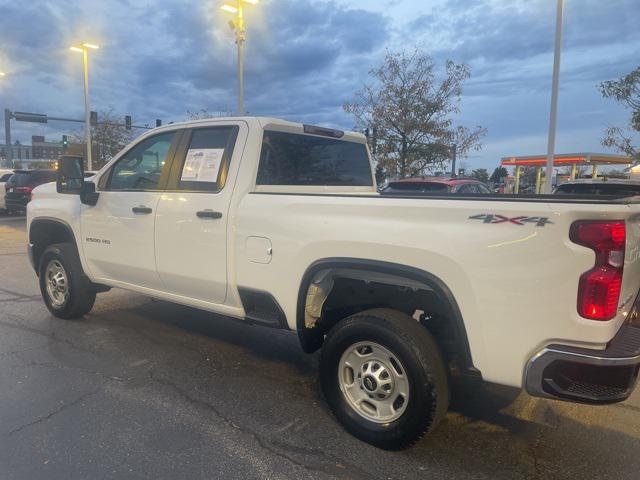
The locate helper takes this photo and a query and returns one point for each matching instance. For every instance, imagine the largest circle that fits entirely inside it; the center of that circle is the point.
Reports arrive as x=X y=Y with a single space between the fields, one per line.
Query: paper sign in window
x=202 y=165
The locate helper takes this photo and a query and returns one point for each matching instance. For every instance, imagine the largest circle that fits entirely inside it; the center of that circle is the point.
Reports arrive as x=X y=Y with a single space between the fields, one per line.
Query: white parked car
x=5 y=174
x=280 y=224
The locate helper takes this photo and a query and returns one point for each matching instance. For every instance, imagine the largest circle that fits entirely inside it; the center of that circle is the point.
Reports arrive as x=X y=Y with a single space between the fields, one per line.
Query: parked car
x=422 y=185
x=600 y=186
x=280 y=224
x=20 y=185
x=4 y=177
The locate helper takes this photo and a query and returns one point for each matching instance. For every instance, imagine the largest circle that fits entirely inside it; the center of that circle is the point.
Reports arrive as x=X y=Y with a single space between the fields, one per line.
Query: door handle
x=208 y=214
x=141 y=209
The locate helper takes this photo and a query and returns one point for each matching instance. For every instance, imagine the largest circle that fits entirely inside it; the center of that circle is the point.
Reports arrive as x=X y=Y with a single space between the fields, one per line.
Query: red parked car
x=427 y=185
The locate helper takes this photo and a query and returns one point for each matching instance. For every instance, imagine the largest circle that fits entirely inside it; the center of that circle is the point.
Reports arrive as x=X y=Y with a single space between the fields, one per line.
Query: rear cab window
x=205 y=162
x=307 y=162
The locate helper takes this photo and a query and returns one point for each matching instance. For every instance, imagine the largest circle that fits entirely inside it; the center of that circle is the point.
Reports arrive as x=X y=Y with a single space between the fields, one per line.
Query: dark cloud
x=305 y=58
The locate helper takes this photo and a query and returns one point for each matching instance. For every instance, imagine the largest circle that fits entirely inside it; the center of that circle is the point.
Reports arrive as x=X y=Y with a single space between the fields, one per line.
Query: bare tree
x=625 y=90
x=108 y=137
x=412 y=112
x=204 y=113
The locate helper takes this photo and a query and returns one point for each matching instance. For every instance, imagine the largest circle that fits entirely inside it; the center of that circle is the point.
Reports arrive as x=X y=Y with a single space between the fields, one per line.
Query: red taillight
x=599 y=288
x=23 y=189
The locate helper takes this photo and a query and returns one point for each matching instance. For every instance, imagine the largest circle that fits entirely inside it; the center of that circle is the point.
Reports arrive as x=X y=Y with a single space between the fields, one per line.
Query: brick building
x=43 y=150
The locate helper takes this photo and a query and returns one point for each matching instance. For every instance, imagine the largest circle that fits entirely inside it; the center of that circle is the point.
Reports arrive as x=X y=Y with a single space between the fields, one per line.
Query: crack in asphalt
x=626 y=406
x=51 y=334
x=347 y=472
x=63 y=407
x=18 y=294
x=98 y=373
x=537 y=473
x=14 y=352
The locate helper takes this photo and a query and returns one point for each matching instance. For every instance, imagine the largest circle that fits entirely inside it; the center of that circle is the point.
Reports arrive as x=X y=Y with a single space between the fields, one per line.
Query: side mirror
x=70 y=176
x=70 y=180
x=88 y=195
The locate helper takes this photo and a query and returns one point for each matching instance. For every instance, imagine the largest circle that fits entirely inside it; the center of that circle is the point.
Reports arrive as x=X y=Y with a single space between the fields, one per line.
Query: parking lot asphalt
x=141 y=388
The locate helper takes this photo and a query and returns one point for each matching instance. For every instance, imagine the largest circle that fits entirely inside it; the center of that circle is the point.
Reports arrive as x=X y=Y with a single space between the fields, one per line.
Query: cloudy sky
x=305 y=58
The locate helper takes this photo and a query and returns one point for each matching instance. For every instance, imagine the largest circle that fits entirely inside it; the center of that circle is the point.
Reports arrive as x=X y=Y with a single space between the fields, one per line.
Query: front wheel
x=384 y=378
x=66 y=290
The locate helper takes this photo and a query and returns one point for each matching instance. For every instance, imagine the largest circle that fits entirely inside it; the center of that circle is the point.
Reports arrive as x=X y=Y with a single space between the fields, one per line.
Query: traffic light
x=158 y=122
x=65 y=142
x=93 y=118
x=127 y=122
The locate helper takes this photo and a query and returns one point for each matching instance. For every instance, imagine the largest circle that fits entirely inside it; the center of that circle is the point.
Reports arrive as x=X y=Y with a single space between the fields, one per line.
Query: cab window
x=141 y=167
x=205 y=162
x=295 y=159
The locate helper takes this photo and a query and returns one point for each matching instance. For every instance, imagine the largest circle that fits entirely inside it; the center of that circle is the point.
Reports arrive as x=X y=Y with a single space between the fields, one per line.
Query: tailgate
x=631 y=274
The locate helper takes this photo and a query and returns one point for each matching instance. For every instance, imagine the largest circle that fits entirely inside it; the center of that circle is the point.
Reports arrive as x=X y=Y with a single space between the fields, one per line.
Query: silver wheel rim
x=374 y=382
x=56 y=283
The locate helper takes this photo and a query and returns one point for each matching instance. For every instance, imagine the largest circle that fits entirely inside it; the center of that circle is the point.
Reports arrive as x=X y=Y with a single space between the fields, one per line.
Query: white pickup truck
x=280 y=224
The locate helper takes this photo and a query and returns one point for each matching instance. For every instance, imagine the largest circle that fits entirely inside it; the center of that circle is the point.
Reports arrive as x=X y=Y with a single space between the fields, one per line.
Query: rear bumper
x=588 y=376
x=17 y=201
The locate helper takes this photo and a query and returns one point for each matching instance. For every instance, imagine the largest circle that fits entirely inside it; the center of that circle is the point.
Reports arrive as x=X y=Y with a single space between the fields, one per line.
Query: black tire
x=417 y=351
x=82 y=293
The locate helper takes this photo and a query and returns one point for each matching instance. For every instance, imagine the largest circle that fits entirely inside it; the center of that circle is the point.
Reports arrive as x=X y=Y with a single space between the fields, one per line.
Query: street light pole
x=551 y=145
x=240 y=38
x=87 y=107
x=238 y=10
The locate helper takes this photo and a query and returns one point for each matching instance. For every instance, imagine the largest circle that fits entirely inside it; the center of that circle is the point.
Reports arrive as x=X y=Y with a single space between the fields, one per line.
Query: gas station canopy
x=567 y=159
x=593 y=160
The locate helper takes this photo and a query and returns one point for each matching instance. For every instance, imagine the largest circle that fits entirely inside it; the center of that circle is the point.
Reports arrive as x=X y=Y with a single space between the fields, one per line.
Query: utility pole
x=551 y=146
x=454 y=157
x=87 y=108
x=7 y=133
x=238 y=25
x=240 y=39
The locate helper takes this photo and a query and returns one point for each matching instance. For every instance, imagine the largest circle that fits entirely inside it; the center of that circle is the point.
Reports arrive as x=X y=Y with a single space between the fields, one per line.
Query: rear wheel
x=66 y=290
x=384 y=378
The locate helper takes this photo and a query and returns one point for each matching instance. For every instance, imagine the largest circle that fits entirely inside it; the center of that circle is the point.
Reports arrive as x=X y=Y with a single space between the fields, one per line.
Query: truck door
x=118 y=232
x=191 y=221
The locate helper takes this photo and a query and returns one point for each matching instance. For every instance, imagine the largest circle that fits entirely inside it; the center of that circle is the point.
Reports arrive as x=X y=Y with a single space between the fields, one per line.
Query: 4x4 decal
x=495 y=218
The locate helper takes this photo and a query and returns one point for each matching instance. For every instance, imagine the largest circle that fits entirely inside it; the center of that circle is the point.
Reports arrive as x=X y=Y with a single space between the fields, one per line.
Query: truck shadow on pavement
x=491 y=434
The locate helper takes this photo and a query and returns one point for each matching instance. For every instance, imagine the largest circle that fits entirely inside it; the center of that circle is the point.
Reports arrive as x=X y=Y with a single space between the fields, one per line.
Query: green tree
x=625 y=90
x=413 y=109
x=498 y=174
x=481 y=174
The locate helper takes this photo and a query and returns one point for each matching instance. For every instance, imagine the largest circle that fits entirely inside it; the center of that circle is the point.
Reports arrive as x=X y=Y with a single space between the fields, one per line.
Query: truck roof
x=265 y=123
